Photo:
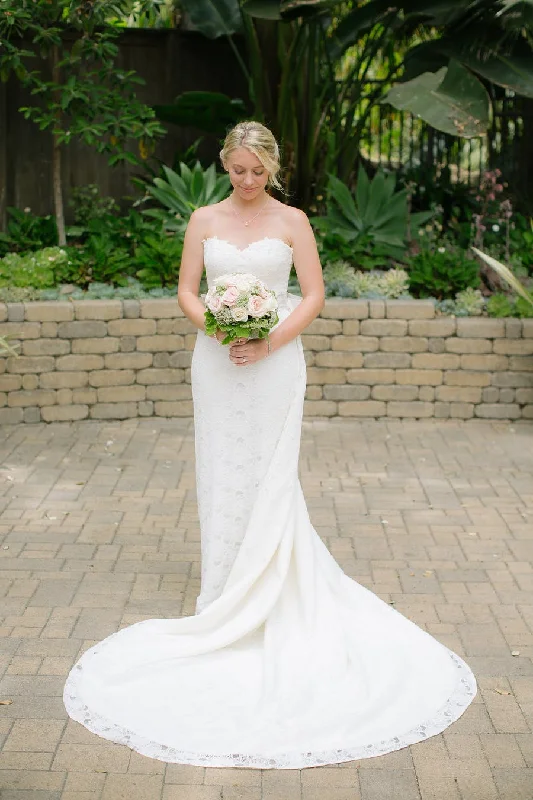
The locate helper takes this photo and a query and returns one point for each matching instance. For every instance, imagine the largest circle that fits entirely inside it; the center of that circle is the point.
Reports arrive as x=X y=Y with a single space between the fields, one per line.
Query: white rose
x=242 y=282
x=271 y=303
x=239 y=314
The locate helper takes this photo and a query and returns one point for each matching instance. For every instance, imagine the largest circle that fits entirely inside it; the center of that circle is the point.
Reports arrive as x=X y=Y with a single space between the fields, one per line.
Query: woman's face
x=247 y=174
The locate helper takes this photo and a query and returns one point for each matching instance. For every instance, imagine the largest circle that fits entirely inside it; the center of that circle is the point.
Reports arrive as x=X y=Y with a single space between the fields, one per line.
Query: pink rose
x=214 y=303
x=256 y=306
x=230 y=296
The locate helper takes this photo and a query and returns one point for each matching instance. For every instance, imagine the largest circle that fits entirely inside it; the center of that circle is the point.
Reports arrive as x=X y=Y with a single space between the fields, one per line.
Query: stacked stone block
x=112 y=359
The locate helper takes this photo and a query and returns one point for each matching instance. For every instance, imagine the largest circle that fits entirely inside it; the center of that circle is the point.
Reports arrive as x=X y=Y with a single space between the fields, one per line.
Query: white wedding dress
x=288 y=663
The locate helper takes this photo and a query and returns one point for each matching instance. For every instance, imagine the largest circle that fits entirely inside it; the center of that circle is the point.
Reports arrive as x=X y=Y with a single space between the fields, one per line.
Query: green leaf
x=376 y=197
x=210 y=112
x=263 y=9
x=420 y=218
x=510 y=71
x=214 y=18
x=362 y=190
x=355 y=24
x=341 y=194
x=182 y=193
x=451 y=100
x=306 y=9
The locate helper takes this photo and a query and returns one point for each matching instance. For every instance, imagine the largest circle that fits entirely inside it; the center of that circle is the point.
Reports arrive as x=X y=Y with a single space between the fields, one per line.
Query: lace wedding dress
x=288 y=663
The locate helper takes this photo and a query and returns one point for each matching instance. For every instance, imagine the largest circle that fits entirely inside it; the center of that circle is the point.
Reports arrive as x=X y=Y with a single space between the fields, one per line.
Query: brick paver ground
x=98 y=529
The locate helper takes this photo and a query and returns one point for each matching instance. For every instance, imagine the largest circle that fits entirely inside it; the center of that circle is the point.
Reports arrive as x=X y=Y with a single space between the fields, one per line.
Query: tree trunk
x=56 y=165
x=58 y=193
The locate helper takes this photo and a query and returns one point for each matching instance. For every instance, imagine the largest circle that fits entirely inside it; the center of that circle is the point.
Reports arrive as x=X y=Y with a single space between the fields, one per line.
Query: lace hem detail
x=455 y=706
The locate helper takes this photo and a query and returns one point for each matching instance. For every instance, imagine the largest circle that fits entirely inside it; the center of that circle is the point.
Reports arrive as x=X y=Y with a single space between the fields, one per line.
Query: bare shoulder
x=294 y=216
x=294 y=223
x=203 y=215
x=202 y=219
x=299 y=227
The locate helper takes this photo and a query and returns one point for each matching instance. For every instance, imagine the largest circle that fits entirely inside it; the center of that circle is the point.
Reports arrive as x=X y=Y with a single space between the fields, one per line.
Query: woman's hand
x=219 y=335
x=247 y=351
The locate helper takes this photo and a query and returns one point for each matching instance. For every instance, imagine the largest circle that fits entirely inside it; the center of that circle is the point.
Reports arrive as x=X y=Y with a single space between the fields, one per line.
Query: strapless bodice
x=269 y=259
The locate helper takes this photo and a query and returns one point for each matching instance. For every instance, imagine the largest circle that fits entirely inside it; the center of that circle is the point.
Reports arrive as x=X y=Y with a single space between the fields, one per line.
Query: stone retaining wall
x=111 y=359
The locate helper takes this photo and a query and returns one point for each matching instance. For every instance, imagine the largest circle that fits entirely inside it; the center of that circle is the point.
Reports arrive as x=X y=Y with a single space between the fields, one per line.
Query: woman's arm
x=191 y=270
x=309 y=271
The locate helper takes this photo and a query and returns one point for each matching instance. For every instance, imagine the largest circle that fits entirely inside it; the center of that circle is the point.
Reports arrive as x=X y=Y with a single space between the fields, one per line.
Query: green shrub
x=18 y=294
x=25 y=231
x=87 y=204
x=500 y=305
x=431 y=186
x=523 y=308
x=158 y=259
x=442 y=272
x=97 y=260
x=34 y=269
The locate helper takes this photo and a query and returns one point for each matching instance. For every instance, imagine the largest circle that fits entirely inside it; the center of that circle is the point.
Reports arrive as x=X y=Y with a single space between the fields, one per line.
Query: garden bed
x=115 y=359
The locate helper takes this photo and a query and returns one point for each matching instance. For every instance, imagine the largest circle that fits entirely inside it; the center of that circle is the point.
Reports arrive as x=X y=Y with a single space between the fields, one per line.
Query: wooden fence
x=170 y=61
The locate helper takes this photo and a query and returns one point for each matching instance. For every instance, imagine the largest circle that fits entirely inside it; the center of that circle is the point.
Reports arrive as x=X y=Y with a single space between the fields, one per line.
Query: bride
x=288 y=663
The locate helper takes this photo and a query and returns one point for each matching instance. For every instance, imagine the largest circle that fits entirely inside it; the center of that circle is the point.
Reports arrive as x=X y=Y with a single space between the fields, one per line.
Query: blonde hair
x=260 y=141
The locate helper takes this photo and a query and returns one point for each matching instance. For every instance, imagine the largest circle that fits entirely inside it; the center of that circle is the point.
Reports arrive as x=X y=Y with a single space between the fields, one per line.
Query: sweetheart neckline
x=256 y=241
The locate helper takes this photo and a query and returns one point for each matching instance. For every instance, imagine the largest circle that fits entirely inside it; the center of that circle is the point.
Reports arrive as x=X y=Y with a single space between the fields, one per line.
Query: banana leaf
x=452 y=100
x=213 y=18
x=210 y=112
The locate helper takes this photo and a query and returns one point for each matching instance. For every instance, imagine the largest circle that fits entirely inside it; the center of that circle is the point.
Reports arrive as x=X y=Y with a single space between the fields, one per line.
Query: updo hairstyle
x=260 y=141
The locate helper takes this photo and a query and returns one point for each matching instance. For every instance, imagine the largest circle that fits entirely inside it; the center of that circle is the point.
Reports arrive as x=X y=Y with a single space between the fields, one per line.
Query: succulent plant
x=395 y=283
x=342 y=281
x=500 y=305
x=18 y=294
x=469 y=303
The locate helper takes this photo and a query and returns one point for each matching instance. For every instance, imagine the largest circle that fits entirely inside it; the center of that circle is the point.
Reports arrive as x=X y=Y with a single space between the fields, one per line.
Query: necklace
x=247 y=222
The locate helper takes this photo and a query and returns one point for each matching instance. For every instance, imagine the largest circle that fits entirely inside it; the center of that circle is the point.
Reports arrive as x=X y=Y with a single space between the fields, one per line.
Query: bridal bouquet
x=241 y=305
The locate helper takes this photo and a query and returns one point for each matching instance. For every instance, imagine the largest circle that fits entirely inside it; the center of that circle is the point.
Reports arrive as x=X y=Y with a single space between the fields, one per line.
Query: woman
x=288 y=663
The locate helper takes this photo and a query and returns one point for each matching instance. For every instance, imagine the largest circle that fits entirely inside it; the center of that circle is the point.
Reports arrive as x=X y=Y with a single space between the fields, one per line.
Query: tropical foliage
x=479 y=43
x=315 y=69
x=376 y=218
x=181 y=193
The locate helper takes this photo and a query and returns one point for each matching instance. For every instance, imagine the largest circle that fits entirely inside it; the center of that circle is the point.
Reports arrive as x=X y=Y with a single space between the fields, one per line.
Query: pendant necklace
x=247 y=222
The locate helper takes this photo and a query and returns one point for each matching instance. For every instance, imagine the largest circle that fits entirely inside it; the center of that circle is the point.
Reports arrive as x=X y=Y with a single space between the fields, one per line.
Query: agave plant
x=376 y=213
x=182 y=193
